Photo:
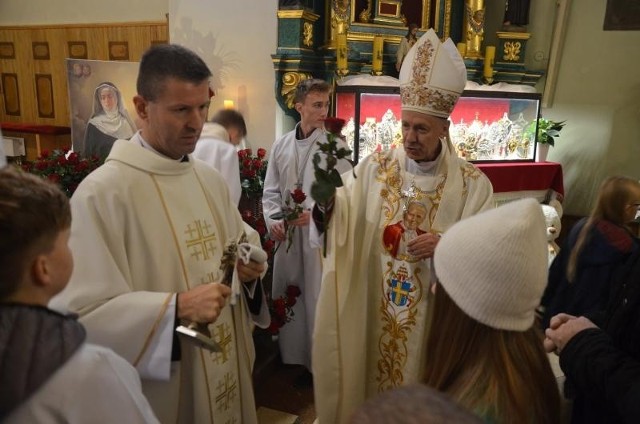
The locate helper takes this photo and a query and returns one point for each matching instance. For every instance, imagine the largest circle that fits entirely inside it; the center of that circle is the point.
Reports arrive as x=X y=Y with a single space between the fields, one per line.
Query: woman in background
x=483 y=349
x=579 y=276
x=110 y=121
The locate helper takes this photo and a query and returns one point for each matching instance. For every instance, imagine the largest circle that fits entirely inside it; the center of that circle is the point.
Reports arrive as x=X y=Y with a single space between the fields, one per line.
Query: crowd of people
x=424 y=307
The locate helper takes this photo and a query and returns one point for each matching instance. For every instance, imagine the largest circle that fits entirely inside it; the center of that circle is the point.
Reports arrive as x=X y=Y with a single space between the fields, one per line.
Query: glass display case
x=486 y=126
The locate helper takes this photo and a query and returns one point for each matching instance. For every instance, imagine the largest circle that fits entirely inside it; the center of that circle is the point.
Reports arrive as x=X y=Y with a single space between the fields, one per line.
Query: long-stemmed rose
x=328 y=179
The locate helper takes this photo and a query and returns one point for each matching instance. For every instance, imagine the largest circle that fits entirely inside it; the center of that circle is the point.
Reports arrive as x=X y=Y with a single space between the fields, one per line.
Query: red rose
x=293 y=291
x=251 y=173
x=262 y=153
x=61 y=160
x=44 y=154
x=247 y=215
x=298 y=196
x=242 y=154
x=274 y=328
x=268 y=246
x=54 y=177
x=257 y=163
x=246 y=163
x=73 y=157
x=249 y=152
x=334 y=125
x=291 y=301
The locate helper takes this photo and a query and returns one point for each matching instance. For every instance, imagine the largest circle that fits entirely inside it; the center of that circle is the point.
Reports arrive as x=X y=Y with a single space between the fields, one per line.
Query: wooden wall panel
x=31 y=86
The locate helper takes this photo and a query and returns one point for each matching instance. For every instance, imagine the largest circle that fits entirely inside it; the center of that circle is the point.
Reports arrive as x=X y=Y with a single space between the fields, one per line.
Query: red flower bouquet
x=281 y=309
x=253 y=169
x=62 y=167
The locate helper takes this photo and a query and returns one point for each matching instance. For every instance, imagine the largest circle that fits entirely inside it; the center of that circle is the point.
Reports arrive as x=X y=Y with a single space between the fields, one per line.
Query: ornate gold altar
x=332 y=39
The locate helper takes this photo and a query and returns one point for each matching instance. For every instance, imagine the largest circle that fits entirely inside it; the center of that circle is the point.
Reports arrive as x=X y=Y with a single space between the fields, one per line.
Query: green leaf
x=322 y=193
x=335 y=178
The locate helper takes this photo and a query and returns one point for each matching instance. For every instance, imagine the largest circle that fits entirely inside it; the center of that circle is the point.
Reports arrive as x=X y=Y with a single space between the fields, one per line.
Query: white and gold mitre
x=432 y=76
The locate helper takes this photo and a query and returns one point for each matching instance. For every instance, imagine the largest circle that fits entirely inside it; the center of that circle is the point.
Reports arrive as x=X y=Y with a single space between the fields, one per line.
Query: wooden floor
x=278 y=398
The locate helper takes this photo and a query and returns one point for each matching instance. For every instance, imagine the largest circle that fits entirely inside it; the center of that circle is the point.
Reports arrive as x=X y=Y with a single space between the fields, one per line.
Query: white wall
x=598 y=94
x=38 y=12
x=236 y=39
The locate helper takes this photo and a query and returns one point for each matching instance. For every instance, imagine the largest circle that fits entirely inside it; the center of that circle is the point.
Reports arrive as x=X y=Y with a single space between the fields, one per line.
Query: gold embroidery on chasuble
x=401 y=308
x=226 y=392
x=201 y=239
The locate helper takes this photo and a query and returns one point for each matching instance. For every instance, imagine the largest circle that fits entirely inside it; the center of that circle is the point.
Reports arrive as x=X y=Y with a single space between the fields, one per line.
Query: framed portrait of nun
x=101 y=104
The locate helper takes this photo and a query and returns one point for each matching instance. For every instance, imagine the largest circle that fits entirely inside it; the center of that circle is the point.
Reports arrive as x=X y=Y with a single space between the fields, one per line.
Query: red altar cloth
x=524 y=176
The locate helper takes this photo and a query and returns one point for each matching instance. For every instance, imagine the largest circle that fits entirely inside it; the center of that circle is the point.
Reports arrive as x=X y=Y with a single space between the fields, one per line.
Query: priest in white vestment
x=149 y=230
x=373 y=315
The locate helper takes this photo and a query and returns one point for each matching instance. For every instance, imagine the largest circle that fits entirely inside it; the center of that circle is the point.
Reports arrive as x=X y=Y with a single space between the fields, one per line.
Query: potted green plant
x=548 y=130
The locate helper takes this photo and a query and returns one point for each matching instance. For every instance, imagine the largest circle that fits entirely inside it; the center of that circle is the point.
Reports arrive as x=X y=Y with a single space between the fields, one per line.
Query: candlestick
x=376 y=60
x=489 y=56
x=341 y=51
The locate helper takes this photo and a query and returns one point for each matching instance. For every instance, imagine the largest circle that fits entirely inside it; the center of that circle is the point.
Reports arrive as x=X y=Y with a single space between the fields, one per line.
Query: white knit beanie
x=493 y=265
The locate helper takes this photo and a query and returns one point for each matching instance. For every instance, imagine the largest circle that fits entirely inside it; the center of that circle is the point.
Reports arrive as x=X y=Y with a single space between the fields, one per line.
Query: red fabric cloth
x=523 y=176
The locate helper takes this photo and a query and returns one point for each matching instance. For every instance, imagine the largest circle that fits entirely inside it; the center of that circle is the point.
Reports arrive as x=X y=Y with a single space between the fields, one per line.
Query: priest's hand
x=203 y=303
x=302 y=220
x=250 y=271
x=277 y=231
x=423 y=246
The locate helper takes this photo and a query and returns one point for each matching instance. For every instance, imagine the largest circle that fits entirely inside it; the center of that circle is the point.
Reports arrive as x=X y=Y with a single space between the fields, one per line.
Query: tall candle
x=462 y=48
x=489 y=56
x=341 y=51
x=376 y=61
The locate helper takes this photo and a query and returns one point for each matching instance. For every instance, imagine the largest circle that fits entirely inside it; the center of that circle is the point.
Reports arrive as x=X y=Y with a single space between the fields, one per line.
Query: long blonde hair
x=500 y=375
x=614 y=196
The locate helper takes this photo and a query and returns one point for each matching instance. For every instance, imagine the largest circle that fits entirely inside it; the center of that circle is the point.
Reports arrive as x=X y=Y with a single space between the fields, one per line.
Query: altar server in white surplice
x=373 y=316
x=290 y=167
x=222 y=155
x=149 y=230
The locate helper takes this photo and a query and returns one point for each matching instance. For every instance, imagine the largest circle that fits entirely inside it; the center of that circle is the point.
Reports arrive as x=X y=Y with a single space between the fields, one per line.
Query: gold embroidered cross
x=200 y=241
x=226 y=392
x=223 y=337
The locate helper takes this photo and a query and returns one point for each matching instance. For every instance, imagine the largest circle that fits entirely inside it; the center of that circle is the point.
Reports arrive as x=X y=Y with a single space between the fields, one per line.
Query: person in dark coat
x=579 y=277
x=600 y=354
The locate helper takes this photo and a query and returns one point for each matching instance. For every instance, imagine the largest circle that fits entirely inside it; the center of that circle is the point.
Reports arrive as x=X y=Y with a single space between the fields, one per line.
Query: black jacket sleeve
x=595 y=367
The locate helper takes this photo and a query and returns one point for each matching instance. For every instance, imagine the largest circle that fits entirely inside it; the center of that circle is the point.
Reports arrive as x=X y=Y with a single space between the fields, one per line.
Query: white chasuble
x=372 y=321
x=144 y=228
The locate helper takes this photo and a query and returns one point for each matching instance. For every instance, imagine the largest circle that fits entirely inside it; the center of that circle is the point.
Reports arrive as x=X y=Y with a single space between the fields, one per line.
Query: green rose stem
x=323 y=189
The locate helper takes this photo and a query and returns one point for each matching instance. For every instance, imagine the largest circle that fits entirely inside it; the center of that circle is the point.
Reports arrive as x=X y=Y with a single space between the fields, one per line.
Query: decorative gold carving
x=473 y=27
x=118 y=50
x=7 y=50
x=365 y=15
x=77 y=49
x=290 y=81
x=44 y=94
x=11 y=94
x=512 y=51
x=40 y=50
x=307 y=34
